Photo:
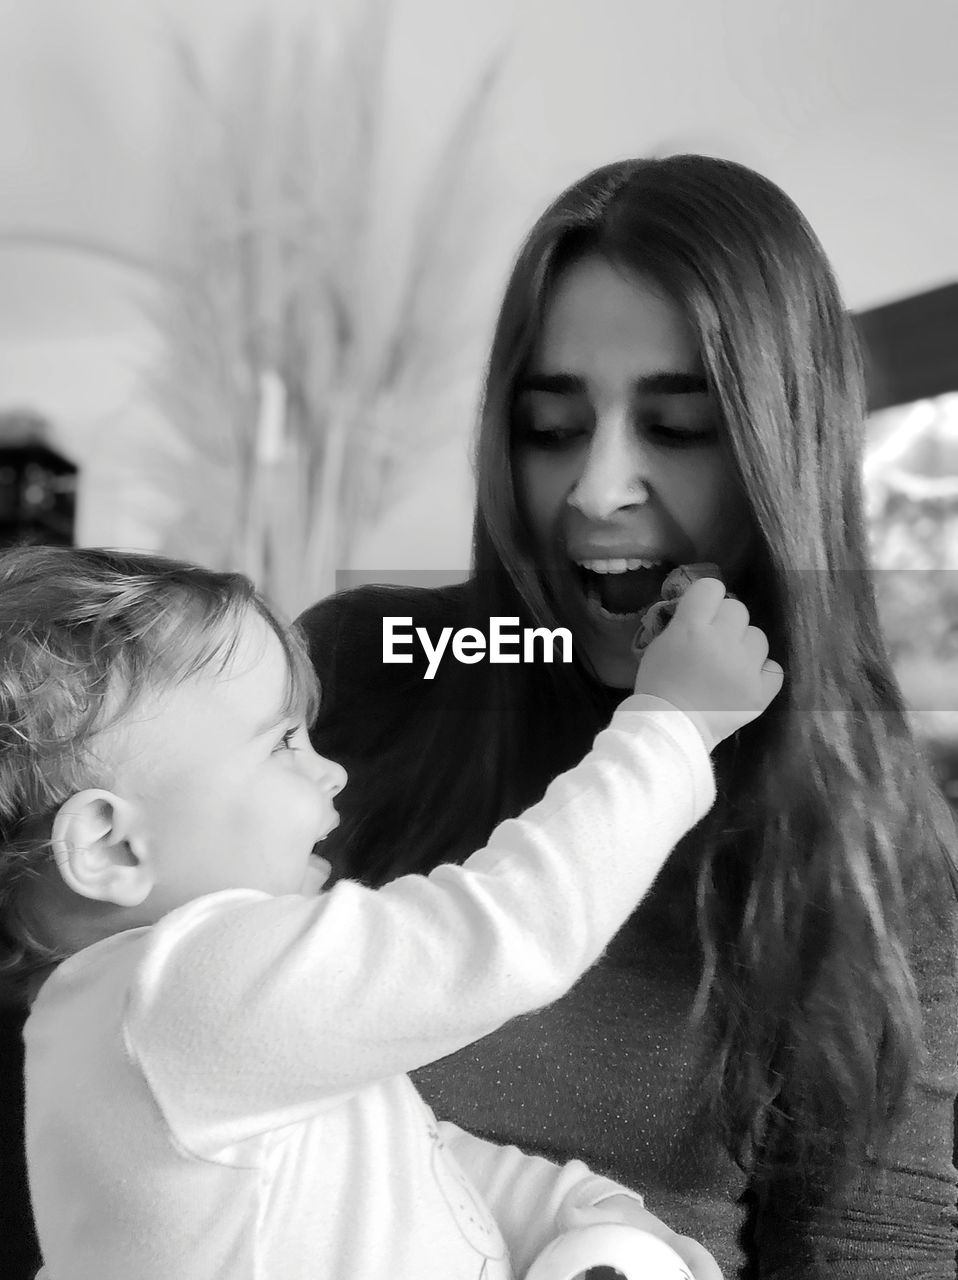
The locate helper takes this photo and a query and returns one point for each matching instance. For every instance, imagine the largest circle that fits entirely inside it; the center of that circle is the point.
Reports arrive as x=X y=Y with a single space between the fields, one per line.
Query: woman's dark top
x=611 y=1073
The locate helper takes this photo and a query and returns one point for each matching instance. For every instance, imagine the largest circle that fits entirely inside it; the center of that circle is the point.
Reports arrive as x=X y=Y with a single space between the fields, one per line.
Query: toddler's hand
x=710 y=663
x=628 y=1212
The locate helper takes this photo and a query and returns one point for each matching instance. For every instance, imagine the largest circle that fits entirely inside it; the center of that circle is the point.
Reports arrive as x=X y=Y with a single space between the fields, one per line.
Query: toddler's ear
x=95 y=849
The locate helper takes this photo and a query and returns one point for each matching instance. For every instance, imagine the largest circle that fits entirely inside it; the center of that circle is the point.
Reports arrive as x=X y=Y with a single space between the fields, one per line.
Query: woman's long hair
x=828 y=821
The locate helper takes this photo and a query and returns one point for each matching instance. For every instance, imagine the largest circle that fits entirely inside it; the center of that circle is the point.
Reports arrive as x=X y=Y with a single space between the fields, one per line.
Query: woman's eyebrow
x=661 y=384
x=672 y=384
x=559 y=384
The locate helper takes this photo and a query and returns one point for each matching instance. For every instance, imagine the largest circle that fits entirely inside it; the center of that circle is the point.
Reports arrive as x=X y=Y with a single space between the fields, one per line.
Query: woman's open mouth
x=617 y=590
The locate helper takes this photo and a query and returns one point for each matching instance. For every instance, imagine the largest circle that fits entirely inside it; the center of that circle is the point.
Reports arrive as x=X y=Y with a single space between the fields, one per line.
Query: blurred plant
x=296 y=397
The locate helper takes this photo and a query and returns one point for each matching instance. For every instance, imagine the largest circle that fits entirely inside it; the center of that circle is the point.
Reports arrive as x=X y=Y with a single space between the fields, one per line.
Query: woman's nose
x=615 y=474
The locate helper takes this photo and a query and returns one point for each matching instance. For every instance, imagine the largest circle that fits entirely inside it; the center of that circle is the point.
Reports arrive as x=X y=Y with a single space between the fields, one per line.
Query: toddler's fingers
x=732 y=615
x=772 y=678
x=755 y=644
x=700 y=602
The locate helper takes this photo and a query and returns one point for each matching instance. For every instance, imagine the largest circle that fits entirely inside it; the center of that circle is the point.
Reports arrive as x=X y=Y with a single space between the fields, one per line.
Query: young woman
x=769 y=1047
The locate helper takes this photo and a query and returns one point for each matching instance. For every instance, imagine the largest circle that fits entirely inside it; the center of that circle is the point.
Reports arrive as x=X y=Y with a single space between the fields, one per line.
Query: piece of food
x=656 y=617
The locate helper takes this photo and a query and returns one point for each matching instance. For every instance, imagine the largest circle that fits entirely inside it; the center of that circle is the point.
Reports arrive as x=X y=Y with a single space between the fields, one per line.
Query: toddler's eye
x=286 y=741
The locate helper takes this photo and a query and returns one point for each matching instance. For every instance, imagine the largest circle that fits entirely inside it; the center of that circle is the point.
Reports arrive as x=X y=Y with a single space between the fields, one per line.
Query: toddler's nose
x=332 y=776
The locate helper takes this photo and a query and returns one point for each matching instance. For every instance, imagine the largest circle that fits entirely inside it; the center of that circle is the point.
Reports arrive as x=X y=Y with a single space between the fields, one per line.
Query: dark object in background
x=37 y=484
x=911 y=347
x=19 y=1255
x=37 y=505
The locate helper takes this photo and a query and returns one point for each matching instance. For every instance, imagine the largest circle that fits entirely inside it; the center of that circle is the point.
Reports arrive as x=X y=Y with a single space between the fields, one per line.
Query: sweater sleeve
x=897 y=1217
x=530 y=1198
x=271 y=1008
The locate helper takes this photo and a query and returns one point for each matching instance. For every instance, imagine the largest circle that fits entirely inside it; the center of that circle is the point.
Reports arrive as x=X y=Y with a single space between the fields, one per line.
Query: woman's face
x=621 y=463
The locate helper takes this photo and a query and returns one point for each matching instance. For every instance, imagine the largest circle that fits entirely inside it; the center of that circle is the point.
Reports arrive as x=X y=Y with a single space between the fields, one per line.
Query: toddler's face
x=228 y=791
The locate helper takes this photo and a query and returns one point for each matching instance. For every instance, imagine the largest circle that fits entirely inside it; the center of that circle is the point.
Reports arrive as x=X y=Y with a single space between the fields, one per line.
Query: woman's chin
x=612 y=660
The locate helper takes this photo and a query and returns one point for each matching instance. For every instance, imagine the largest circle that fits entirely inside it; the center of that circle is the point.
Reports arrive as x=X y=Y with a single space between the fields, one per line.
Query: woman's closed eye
x=552 y=422
x=671 y=437
x=546 y=437
x=680 y=436
x=544 y=420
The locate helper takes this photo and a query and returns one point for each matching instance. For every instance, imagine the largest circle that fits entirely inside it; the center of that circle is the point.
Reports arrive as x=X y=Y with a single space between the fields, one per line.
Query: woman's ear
x=96 y=851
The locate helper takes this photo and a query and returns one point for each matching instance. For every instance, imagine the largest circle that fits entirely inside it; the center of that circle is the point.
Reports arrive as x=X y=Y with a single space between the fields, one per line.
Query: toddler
x=216 y=1059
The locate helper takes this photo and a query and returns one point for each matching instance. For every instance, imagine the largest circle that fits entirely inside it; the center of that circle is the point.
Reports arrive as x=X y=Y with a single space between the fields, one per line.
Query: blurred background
x=250 y=254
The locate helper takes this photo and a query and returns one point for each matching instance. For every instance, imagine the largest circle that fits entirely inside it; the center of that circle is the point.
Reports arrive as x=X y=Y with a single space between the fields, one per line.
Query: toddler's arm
x=327 y=994
x=533 y=1201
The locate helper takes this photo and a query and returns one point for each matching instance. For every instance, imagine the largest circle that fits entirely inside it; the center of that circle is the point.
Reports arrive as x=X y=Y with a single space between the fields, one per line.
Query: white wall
x=851 y=105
